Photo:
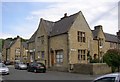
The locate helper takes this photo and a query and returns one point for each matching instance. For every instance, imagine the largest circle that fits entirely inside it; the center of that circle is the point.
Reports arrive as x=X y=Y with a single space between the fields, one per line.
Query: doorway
x=52 y=58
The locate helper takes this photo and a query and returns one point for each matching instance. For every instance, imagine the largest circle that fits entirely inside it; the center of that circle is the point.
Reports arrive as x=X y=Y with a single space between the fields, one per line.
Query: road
x=49 y=75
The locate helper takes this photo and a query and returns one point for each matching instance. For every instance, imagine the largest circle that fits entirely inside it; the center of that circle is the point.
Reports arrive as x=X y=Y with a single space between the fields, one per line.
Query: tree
x=112 y=58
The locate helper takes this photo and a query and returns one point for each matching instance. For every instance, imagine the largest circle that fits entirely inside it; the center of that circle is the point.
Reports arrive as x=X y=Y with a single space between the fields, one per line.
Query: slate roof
x=48 y=26
x=7 y=43
x=58 y=27
x=25 y=45
x=32 y=39
x=12 y=43
x=108 y=37
x=63 y=25
x=95 y=33
x=111 y=38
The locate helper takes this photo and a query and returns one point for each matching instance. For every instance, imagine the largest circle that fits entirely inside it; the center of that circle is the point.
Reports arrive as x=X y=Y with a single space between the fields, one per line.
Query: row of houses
x=14 y=49
x=60 y=44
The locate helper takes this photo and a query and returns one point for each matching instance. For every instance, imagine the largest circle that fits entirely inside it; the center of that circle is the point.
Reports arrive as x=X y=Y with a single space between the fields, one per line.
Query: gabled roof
x=32 y=39
x=25 y=45
x=108 y=37
x=111 y=38
x=58 y=27
x=48 y=25
x=63 y=25
x=95 y=33
x=7 y=43
x=13 y=41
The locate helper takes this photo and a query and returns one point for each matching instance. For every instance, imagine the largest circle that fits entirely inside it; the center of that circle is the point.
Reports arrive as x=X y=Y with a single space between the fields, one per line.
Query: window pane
x=57 y=56
x=61 y=56
x=42 y=54
x=57 y=60
x=61 y=60
x=83 y=57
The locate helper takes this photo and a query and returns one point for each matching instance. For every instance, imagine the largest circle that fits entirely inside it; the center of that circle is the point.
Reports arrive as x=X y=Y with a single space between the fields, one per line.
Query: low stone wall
x=101 y=68
x=91 y=68
x=55 y=68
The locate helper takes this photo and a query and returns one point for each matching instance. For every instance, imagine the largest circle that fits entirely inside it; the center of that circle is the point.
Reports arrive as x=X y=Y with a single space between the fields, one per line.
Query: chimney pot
x=65 y=15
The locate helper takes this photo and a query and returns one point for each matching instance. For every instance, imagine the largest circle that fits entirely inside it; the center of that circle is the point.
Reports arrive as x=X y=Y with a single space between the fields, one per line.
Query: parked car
x=20 y=65
x=4 y=69
x=36 y=67
x=113 y=77
x=7 y=63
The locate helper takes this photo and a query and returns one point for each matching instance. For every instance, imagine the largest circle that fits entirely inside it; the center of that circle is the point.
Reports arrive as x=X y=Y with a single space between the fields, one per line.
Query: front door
x=52 y=58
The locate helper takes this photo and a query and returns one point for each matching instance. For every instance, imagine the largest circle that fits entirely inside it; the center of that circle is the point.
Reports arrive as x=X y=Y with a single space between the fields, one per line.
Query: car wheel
x=44 y=71
x=19 y=68
x=35 y=71
x=28 y=70
x=8 y=73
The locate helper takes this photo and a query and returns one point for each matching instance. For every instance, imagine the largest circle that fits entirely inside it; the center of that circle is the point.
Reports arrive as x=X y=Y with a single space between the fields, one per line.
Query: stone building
x=69 y=41
x=14 y=50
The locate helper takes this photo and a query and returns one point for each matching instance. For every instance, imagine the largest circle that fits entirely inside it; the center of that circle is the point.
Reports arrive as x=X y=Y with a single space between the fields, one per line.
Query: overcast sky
x=22 y=17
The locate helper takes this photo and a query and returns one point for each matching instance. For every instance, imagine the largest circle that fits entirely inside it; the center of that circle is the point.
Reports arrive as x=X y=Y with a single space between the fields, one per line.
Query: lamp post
x=100 y=46
x=98 y=50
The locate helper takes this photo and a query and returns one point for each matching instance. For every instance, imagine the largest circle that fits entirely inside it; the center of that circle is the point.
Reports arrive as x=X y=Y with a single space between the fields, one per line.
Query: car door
x=16 y=65
x=32 y=66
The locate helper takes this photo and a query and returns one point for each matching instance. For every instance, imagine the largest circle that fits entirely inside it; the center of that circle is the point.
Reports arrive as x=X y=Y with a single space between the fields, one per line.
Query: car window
x=20 y=62
x=32 y=64
x=39 y=64
x=106 y=79
x=2 y=65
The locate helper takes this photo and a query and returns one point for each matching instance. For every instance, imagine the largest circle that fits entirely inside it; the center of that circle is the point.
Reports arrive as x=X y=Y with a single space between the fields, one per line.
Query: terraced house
x=69 y=41
x=14 y=50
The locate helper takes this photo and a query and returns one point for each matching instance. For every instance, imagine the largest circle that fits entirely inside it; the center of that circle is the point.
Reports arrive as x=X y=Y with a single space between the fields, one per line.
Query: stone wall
x=92 y=68
x=61 y=69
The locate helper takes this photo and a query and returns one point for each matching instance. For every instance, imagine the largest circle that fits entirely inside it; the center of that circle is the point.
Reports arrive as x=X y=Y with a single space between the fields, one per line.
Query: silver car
x=4 y=69
x=20 y=65
x=113 y=77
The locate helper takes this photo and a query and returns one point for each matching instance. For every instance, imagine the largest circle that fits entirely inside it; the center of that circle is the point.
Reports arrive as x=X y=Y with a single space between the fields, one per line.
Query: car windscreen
x=2 y=65
x=37 y=64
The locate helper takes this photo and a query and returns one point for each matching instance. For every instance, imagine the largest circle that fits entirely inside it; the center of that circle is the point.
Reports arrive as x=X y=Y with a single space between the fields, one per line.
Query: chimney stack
x=65 y=16
x=98 y=27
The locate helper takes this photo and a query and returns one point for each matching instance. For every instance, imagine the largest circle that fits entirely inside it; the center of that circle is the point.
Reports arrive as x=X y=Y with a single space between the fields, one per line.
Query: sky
x=22 y=17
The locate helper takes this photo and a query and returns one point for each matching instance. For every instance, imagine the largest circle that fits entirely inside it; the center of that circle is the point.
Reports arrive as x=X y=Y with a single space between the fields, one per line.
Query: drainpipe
x=68 y=49
x=6 y=55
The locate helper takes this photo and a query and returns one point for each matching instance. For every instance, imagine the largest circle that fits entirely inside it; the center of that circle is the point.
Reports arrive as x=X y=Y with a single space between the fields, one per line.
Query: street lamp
x=100 y=46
